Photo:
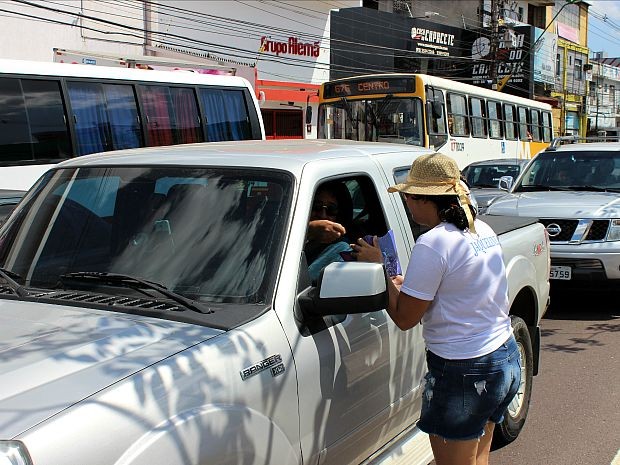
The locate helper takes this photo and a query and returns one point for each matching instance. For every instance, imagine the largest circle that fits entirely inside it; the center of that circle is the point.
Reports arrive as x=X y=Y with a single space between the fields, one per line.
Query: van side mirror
x=308 y=114
x=505 y=183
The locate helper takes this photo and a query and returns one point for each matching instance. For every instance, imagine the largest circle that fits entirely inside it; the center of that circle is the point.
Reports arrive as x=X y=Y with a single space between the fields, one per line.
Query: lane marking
x=616 y=460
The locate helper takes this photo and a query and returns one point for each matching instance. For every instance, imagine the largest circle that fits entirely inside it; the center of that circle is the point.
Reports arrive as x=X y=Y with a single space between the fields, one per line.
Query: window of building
x=283 y=124
x=558 y=62
x=578 y=69
x=568 y=14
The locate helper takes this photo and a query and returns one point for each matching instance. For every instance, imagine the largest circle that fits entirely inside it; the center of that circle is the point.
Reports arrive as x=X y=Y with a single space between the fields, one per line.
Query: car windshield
x=488 y=175
x=208 y=234
x=579 y=170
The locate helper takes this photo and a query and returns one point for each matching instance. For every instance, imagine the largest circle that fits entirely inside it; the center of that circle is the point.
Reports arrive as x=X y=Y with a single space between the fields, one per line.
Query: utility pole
x=494 y=40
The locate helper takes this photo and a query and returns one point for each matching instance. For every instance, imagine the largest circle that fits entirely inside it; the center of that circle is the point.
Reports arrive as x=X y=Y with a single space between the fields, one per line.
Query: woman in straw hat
x=456 y=286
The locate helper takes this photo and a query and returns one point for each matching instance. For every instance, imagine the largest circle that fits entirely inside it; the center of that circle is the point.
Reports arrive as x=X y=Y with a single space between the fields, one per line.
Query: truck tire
x=514 y=419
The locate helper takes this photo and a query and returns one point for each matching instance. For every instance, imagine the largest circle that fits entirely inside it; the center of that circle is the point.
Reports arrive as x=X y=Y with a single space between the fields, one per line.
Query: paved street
x=574 y=417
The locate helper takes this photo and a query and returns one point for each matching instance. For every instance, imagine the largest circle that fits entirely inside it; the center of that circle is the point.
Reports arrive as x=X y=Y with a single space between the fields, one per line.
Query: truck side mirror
x=308 y=114
x=505 y=183
x=346 y=288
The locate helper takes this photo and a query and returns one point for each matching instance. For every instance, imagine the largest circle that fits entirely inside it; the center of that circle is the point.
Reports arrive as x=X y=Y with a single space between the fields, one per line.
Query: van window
x=105 y=117
x=32 y=121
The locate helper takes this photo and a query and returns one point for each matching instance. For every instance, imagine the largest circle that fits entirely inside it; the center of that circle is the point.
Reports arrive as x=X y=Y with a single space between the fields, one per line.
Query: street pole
x=493 y=51
x=598 y=85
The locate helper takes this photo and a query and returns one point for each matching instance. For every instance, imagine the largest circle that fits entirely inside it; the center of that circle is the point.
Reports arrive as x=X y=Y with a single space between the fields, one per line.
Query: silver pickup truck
x=156 y=308
x=574 y=190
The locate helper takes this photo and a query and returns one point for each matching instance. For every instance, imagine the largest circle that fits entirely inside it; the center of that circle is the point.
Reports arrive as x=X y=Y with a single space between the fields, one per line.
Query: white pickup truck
x=155 y=308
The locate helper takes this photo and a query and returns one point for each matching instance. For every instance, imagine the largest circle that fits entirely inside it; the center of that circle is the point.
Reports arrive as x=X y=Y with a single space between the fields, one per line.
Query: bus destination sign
x=378 y=85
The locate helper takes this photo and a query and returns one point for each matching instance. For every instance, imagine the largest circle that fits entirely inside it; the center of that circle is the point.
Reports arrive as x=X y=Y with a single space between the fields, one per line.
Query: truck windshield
x=387 y=119
x=208 y=234
x=579 y=170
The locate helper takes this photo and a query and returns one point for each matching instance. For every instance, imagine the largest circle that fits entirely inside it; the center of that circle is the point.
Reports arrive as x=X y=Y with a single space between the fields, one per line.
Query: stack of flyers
x=390 y=256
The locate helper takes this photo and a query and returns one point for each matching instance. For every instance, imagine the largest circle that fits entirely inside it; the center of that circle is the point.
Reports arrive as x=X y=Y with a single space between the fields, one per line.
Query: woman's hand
x=398 y=280
x=364 y=252
x=325 y=231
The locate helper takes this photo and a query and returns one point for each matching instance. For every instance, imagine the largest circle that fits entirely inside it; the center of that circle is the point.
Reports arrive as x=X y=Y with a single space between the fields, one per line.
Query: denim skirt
x=461 y=396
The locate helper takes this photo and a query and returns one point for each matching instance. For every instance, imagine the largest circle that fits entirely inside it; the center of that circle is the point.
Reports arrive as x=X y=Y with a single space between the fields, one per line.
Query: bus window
x=458 y=120
x=495 y=120
x=522 y=118
x=546 y=126
x=478 y=117
x=32 y=121
x=510 y=122
x=536 y=125
x=226 y=114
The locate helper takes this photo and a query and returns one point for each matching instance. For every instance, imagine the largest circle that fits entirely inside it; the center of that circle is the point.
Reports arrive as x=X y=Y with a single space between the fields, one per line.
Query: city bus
x=466 y=122
x=52 y=111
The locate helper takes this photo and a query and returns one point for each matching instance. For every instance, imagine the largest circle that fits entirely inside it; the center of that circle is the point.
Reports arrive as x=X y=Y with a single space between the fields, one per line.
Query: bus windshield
x=385 y=119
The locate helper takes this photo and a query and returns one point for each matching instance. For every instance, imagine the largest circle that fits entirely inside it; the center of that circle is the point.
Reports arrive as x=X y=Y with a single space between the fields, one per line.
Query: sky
x=604 y=35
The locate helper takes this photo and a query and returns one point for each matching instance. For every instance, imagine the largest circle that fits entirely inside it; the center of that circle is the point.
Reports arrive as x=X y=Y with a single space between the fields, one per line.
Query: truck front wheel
x=514 y=419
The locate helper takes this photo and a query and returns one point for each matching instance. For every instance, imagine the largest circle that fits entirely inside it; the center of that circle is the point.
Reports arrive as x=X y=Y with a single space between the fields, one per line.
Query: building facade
x=287 y=49
x=604 y=96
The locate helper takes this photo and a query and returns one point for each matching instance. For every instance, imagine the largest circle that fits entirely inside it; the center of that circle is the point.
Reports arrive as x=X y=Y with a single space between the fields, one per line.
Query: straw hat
x=432 y=174
x=436 y=174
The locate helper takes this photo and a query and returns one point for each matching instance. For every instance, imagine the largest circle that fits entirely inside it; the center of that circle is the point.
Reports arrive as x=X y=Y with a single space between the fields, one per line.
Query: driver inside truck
x=331 y=215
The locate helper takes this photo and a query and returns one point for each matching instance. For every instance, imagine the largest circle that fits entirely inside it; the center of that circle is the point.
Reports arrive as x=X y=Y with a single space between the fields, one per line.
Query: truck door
x=358 y=374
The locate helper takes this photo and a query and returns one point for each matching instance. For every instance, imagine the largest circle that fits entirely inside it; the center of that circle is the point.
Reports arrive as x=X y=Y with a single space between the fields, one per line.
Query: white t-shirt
x=464 y=276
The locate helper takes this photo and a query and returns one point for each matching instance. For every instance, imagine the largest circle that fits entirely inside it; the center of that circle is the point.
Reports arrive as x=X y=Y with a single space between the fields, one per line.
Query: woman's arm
x=404 y=310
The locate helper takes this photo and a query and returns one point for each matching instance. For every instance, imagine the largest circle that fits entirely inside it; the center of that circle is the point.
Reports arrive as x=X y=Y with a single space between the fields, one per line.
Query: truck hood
x=52 y=356
x=574 y=204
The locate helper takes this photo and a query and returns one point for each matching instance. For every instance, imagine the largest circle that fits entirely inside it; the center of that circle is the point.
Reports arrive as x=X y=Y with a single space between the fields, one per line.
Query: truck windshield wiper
x=132 y=282
x=8 y=276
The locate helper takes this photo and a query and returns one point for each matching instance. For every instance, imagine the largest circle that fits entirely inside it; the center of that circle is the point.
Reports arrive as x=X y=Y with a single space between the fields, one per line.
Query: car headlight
x=614 y=231
x=14 y=453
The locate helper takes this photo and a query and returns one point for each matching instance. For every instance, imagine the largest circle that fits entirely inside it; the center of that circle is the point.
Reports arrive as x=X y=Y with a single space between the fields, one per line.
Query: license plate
x=560 y=272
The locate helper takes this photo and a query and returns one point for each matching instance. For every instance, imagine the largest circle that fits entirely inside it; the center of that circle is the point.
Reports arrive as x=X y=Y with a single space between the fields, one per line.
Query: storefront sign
x=513 y=58
x=292 y=47
x=545 y=50
x=437 y=40
x=431 y=42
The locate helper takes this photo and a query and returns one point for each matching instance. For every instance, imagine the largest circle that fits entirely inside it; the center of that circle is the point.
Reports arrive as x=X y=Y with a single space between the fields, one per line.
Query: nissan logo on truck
x=554 y=229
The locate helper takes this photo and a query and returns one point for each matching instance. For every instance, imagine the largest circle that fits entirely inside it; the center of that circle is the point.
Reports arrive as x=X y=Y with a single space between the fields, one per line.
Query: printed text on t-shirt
x=484 y=243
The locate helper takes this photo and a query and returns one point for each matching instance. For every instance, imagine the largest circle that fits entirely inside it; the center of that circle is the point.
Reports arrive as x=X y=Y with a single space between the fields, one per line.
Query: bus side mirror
x=308 y=114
